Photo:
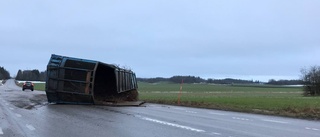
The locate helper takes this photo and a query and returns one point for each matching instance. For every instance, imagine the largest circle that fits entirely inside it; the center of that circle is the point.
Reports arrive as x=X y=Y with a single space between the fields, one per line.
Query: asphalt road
x=27 y=114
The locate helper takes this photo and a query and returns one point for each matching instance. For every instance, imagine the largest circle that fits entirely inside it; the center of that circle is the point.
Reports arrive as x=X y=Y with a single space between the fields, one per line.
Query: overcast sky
x=247 y=39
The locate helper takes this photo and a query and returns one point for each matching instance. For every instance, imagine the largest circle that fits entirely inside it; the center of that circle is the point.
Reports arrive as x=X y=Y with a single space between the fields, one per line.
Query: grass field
x=37 y=86
x=263 y=99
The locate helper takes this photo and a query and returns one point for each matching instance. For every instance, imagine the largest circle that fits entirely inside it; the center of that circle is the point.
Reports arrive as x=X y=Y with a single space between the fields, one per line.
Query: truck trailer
x=81 y=81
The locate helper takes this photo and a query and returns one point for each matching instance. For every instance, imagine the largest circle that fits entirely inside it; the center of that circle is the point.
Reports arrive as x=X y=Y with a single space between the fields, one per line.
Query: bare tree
x=311 y=79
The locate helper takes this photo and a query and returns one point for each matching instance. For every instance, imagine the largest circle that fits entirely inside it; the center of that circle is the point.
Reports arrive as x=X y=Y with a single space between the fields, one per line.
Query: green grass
x=39 y=86
x=263 y=99
x=167 y=87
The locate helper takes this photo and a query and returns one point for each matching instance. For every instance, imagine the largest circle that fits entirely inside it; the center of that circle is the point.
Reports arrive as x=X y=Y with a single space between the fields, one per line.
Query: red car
x=27 y=85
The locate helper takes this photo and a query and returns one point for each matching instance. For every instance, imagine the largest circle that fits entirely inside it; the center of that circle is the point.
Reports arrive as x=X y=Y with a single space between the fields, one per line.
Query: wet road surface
x=27 y=114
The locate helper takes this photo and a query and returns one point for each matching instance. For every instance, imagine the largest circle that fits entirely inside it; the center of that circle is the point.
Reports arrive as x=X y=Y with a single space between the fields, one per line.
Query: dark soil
x=30 y=103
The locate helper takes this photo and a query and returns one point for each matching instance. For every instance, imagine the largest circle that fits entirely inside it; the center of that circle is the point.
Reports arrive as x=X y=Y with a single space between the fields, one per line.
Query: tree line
x=195 y=79
x=4 y=74
x=174 y=79
x=285 y=82
x=232 y=81
x=31 y=75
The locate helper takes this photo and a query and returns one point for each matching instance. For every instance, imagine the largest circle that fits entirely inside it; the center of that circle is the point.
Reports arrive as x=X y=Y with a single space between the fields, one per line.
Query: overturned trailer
x=82 y=81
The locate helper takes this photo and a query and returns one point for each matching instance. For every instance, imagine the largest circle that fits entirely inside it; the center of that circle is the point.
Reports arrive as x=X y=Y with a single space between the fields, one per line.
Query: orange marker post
x=180 y=92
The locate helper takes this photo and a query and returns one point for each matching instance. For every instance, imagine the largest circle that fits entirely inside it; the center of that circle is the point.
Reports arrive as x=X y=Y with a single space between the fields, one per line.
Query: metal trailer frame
x=82 y=81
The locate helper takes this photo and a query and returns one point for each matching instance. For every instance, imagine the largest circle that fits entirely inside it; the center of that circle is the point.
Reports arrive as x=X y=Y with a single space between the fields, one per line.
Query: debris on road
x=29 y=101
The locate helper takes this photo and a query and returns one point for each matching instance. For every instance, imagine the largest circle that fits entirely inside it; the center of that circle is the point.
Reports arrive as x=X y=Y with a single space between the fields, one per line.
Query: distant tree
x=30 y=75
x=43 y=76
x=285 y=82
x=19 y=75
x=152 y=80
x=311 y=79
x=186 y=79
x=35 y=74
x=4 y=74
x=232 y=81
x=210 y=80
x=271 y=81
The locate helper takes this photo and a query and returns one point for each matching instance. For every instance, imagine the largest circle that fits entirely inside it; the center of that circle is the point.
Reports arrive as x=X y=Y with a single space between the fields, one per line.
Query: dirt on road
x=30 y=101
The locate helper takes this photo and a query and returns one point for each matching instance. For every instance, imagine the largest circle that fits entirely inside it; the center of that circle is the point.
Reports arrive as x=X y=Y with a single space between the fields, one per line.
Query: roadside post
x=180 y=92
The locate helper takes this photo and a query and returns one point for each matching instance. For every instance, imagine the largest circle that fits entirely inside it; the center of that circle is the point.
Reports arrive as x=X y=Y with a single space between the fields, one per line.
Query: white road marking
x=274 y=121
x=178 y=108
x=11 y=108
x=217 y=114
x=30 y=127
x=214 y=133
x=1 y=132
x=193 y=112
x=172 y=124
x=244 y=119
x=7 y=104
x=315 y=129
x=18 y=115
x=152 y=106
